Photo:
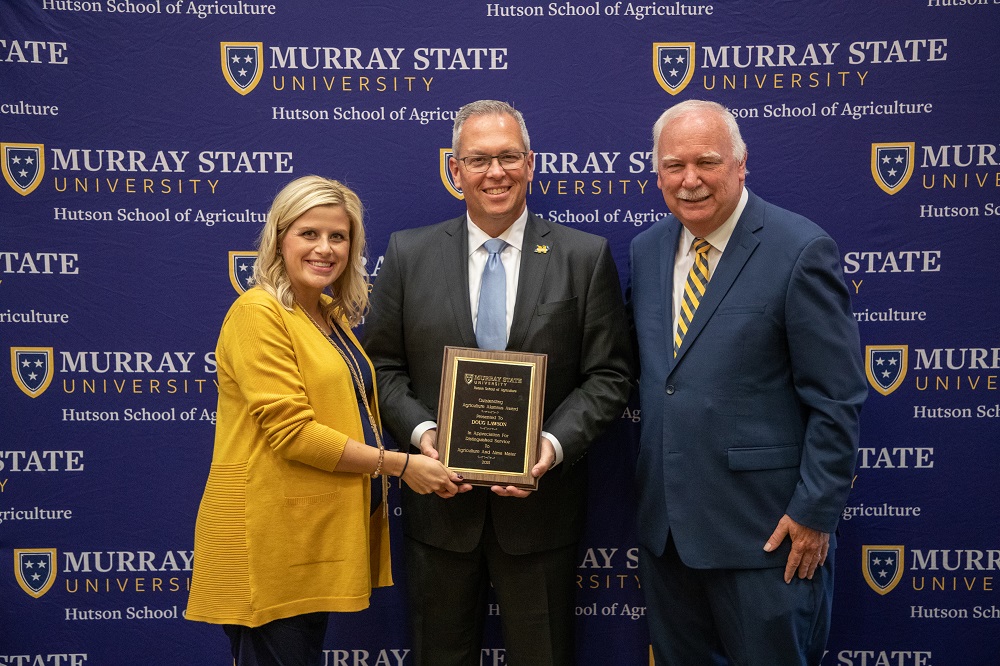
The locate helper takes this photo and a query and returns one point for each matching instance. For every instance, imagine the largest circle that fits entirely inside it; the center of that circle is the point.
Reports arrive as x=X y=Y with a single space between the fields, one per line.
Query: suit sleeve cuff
x=555 y=445
x=419 y=431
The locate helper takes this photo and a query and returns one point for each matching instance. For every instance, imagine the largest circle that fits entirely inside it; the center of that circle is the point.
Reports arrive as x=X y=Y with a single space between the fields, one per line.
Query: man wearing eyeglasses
x=542 y=288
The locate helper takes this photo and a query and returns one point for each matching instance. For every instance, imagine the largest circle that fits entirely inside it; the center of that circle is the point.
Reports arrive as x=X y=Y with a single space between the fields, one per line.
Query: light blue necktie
x=491 y=321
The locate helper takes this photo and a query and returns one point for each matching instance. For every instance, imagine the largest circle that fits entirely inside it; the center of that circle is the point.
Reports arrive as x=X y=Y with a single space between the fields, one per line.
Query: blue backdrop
x=142 y=142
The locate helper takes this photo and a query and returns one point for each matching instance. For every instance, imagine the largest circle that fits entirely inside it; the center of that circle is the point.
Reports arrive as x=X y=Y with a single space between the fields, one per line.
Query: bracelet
x=405 y=463
x=381 y=458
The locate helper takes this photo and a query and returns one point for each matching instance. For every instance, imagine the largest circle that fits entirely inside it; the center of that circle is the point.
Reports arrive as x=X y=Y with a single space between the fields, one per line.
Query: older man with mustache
x=751 y=385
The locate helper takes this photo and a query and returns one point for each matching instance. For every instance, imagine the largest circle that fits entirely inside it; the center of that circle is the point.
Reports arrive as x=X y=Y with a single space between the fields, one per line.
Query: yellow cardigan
x=279 y=533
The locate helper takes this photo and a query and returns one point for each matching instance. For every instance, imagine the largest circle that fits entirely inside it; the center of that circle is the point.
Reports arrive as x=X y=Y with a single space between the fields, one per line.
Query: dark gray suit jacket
x=758 y=414
x=569 y=306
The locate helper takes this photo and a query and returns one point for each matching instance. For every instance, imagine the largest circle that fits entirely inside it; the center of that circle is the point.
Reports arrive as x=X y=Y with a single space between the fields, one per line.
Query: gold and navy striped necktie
x=694 y=290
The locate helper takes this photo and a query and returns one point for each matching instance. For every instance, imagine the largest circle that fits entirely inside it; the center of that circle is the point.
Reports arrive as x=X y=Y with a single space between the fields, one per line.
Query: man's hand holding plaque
x=546 y=459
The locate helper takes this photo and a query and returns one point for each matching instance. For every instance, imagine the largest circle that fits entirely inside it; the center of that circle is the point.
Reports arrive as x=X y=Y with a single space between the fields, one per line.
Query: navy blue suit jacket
x=758 y=414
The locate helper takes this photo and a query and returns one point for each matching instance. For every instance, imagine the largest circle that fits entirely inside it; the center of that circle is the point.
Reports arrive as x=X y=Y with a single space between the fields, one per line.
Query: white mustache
x=692 y=195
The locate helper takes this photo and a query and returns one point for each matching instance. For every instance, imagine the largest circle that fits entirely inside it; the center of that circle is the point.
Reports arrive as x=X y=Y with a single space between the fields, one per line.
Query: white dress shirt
x=718 y=239
x=510 y=256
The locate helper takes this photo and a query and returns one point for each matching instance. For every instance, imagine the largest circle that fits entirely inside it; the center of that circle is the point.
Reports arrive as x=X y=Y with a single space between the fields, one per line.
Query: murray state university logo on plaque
x=885 y=366
x=892 y=165
x=446 y=178
x=32 y=369
x=23 y=166
x=882 y=567
x=35 y=569
x=242 y=64
x=673 y=65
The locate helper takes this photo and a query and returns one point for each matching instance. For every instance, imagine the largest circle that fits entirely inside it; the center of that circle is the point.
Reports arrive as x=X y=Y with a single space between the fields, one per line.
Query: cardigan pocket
x=318 y=528
x=322 y=498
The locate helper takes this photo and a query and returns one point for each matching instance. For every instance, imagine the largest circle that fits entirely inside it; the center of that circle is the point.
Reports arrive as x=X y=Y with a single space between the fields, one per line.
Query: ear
x=456 y=171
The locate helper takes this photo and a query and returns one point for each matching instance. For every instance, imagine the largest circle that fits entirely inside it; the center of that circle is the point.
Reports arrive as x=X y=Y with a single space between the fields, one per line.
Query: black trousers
x=447 y=594
x=291 y=641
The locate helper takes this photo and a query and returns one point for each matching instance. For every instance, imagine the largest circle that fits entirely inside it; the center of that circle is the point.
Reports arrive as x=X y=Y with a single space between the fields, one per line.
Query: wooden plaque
x=490 y=415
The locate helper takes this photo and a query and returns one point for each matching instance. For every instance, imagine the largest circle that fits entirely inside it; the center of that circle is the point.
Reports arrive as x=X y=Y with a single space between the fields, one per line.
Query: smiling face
x=700 y=178
x=316 y=249
x=495 y=198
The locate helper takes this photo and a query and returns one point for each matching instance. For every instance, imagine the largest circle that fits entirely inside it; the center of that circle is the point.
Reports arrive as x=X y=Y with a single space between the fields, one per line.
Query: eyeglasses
x=482 y=163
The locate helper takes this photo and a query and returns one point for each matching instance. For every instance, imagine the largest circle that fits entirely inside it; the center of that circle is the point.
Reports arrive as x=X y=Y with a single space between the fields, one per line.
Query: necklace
x=314 y=322
x=354 y=366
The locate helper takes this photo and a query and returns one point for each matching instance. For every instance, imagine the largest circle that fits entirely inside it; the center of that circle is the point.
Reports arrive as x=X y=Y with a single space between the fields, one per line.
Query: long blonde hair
x=349 y=292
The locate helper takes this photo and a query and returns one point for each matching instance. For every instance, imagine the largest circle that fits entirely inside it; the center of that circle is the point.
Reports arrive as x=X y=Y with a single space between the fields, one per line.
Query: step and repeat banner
x=143 y=140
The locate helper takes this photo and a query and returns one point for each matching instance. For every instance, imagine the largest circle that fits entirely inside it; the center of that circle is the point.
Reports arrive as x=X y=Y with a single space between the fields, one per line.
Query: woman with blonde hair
x=293 y=523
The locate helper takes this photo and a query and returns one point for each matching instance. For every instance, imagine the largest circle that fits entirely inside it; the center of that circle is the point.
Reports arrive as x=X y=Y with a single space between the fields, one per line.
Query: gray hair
x=487 y=107
x=687 y=106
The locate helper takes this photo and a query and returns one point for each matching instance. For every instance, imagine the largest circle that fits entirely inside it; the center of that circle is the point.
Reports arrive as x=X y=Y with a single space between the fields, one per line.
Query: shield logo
x=32 y=369
x=885 y=366
x=35 y=569
x=242 y=64
x=468 y=377
x=882 y=567
x=892 y=165
x=673 y=65
x=449 y=184
x=241 y=270
x=23 y=166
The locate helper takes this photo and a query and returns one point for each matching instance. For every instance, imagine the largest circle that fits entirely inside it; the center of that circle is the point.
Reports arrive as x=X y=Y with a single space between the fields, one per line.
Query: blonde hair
x=350 y=291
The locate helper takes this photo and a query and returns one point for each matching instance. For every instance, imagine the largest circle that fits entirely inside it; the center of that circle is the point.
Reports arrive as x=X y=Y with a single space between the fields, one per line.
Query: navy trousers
x=740 y=617
x=291 y=641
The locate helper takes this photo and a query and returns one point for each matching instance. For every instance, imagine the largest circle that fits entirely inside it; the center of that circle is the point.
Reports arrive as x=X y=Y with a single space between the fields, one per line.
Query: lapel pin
x=541 y=249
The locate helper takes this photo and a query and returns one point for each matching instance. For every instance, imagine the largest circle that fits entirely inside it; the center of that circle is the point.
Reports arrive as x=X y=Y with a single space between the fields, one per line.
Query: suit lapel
x=668 y=254
x=741 y=245
x=454 y=262
x=530 y=278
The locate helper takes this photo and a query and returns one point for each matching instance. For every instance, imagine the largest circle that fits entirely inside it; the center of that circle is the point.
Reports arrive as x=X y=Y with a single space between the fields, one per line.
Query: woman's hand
x=425 y=475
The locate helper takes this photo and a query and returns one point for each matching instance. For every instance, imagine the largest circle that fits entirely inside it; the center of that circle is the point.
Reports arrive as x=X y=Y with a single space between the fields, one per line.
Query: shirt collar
x=513 y=235
x=719 y=238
